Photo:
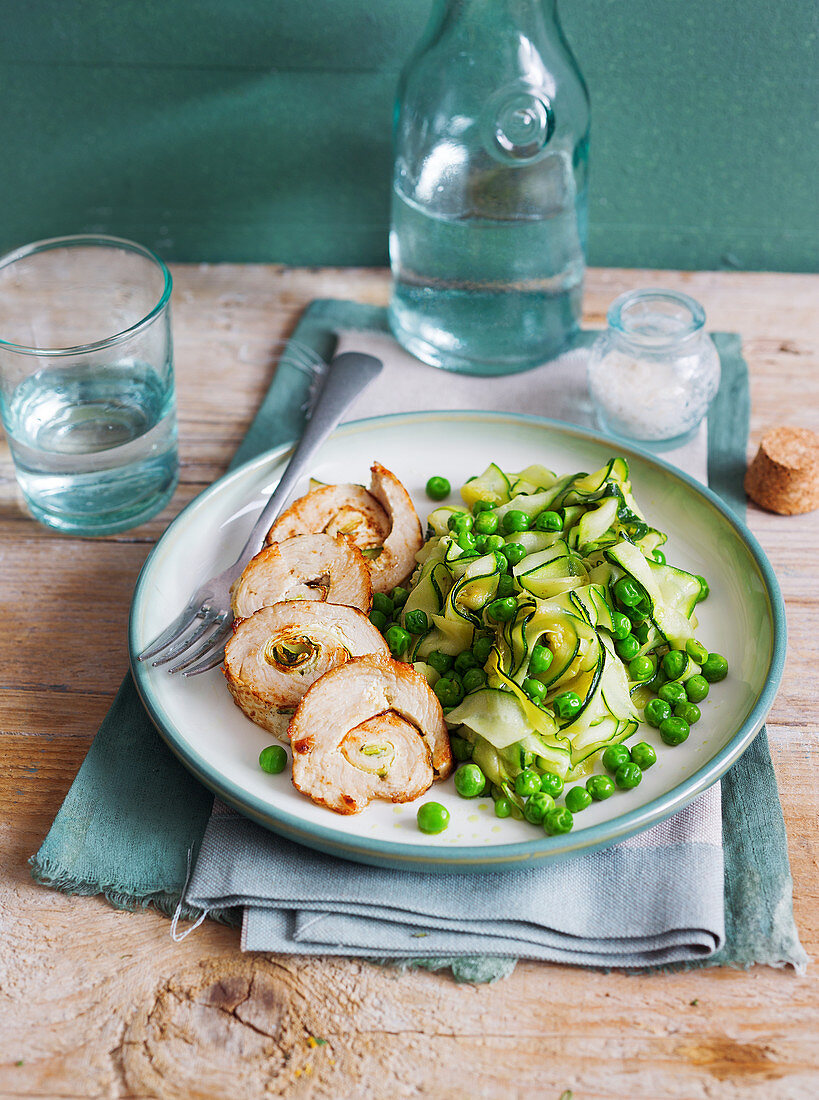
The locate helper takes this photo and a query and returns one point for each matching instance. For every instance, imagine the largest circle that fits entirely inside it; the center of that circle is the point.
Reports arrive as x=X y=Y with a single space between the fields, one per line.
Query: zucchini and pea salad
x=550 y=626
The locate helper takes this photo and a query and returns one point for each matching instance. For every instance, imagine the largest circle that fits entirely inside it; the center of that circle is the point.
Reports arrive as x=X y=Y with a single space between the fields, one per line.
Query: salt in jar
x=654 y=371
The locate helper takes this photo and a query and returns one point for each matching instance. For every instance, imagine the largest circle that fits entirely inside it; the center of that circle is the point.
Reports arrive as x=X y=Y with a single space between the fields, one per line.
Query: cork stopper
x=784 y=476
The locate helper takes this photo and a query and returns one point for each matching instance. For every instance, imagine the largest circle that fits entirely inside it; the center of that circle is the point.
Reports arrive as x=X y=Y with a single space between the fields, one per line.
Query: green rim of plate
x=465 y=858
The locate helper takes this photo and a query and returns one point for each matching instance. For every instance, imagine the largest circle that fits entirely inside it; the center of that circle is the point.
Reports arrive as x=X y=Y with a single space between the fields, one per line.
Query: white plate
x=743 y=619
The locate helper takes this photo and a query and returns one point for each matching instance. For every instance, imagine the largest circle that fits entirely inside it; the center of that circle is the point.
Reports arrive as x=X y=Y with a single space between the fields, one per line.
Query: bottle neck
x=524 y=14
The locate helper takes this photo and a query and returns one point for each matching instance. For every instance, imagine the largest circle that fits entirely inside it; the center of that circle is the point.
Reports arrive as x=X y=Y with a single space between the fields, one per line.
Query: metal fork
x=202 y=628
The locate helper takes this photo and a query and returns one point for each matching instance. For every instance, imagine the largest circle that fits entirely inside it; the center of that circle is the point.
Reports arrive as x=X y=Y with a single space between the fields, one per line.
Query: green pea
x=656 y=711
x=513 y=552
x=640 y=669
x=480 y=544
x=469 y=781
x=503 y=610
x=460 y=521
x=378 y=619
x=640 y=631
x=515 y=521
x=628 y=776
x=557 y=821
x=486 y=523
x=397 y=639
x=432 y=817
x=527 y=783
x=416 y=622
x=636 y=616
x=399 y=595
x=438 y=488
x=466 y=540
x=551 y=783
x=627 y=648
x=567 y=704
x=482 y=648
x=675 y=663
x=696 y=651
x=534 y=689
x=690 y=712
x=273 y=759
x=494 y=543
x=696 y=689
x=704 y=589
x=383 y=603
x=614 y=757
x=627 y=593
x=537 y=806
x=577 y=799
x=540 y=659
x=659 y=557
x=674 y=731
x=643 y=755
x=474 y=679
x=672 y=693
x=549 y=521
x=482 y=506
x=461 y=748
x=441 y=662
x=506 y=586
x=503 y=807
x=464 y=661
x=450 y=692
x=600 y=787
x=620 y=626
x=715 y=668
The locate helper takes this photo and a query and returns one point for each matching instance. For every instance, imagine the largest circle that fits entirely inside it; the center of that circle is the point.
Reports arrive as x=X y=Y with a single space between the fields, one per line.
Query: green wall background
x=259 y=130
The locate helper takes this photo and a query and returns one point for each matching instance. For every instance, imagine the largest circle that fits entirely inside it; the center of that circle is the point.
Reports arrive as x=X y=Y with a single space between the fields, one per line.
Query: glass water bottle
x=488 y=233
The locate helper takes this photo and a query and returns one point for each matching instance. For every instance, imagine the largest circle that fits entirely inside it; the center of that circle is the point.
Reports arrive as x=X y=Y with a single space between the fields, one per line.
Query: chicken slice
x=279 y=651
x=382 y=522
x=397 y=558
x=371 y=728
x=305 y=567
x=347 y=510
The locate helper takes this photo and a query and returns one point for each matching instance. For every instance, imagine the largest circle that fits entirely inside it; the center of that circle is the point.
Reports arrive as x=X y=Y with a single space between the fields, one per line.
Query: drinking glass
x=86 y=381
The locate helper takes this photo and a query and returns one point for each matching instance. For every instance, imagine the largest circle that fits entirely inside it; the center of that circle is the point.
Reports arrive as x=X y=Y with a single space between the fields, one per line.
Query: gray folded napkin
x=652 y=900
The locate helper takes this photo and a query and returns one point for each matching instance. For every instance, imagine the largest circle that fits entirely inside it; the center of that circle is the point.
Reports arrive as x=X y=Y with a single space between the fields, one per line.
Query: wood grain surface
x=100 y=1003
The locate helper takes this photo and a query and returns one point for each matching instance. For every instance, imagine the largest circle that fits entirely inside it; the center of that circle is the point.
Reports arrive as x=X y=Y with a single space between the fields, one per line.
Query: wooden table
x=97 y=1002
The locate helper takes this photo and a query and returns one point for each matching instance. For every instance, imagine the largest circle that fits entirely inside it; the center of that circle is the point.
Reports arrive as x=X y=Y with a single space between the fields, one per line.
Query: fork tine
x=207 y=617
x=213 y=660
x=216 y=638
x=180 y=624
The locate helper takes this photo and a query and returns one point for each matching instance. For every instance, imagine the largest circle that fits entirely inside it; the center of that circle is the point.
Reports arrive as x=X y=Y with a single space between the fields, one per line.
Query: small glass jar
x=654 y=371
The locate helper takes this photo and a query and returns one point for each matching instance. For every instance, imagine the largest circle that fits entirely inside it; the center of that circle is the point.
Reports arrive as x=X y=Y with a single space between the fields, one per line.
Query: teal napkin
x=133 y=815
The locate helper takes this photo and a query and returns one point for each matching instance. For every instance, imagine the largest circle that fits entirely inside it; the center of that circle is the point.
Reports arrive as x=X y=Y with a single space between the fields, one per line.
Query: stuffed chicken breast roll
x=371 y=728
x=382 y=522
x=279 y=651
x=305 y=567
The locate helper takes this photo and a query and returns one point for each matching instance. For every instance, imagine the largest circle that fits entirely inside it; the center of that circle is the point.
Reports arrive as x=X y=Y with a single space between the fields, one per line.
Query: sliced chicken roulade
x=347 y=510
x=279 y=651
x=371 y=728
x=305 y=567
x=382 y=522
x=397 y=558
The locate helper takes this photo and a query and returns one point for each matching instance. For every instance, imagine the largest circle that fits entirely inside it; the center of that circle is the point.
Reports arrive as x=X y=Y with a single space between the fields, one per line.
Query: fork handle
x=346 y=377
